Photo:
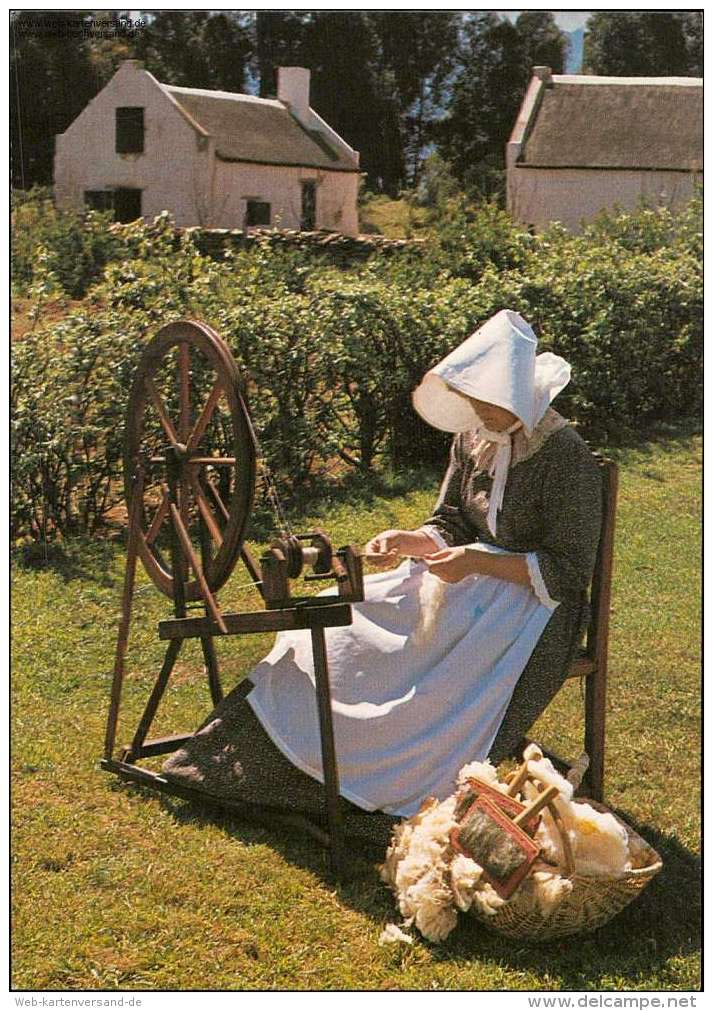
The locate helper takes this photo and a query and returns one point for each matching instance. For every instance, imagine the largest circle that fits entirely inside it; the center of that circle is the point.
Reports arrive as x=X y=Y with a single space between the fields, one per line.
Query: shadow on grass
x=89 y=559
x=671 y=435
x=661 y=924
x=633 y=949
x=361 y=488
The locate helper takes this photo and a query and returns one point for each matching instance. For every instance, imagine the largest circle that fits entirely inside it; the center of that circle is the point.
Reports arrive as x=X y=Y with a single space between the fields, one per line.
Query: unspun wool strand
x=431 y=594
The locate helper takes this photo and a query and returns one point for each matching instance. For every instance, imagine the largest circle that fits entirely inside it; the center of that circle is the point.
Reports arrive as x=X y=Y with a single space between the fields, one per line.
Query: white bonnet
x=497 y=364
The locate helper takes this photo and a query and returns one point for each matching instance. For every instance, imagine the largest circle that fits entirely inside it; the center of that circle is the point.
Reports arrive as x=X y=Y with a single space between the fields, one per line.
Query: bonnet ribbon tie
x=494 y=451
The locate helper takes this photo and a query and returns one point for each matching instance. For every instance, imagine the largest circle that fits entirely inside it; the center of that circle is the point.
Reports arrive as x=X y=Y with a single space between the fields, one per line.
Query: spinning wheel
x=188 y=428
x=189 y=474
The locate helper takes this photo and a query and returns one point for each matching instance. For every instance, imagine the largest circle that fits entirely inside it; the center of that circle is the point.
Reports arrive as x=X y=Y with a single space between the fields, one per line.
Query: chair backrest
x=598 y=631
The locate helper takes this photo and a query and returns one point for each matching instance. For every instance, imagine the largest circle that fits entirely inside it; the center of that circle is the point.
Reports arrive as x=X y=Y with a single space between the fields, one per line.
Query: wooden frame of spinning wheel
x=221 y=531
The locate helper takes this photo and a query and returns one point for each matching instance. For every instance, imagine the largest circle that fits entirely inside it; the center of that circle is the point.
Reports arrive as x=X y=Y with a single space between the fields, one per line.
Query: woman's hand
x=390 y=544
x=452 y=564
x=455 y=564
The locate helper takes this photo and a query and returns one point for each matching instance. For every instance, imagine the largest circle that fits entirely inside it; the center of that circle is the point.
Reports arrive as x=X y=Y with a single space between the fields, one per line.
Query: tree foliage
x=544 y=44
x=51 y=80
x=196 y=49
x=418 y=51
x=495 y=61
x=644 y=43
x=351 y=91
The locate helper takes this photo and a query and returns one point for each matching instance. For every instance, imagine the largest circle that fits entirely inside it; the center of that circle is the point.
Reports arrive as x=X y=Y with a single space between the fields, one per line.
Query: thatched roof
x=260 y=130
x=634 y=123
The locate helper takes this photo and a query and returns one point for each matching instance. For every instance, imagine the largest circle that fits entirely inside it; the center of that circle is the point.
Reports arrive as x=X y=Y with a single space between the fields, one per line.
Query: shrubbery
x=331 y=355
x=73 y=248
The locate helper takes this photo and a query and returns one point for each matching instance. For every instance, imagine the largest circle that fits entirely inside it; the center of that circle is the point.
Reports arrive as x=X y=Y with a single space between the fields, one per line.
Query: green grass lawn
x=116 y=888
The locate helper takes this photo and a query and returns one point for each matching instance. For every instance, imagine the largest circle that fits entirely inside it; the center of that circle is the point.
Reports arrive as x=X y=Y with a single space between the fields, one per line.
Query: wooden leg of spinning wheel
x=207 y=644
x=171 y=655
x=212 y=670
x=156 y=695
x=126 y=602
x=329 y=755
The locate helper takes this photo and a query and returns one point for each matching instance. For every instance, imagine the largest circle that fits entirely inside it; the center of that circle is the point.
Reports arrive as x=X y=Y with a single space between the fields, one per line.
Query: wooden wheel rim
x=203 y=339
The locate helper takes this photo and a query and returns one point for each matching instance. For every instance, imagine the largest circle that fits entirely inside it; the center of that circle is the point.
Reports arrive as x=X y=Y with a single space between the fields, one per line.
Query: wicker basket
x=590 y=904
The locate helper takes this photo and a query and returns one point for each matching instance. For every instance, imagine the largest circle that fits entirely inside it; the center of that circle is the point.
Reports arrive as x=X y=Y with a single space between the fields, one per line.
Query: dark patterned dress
x=551 y=508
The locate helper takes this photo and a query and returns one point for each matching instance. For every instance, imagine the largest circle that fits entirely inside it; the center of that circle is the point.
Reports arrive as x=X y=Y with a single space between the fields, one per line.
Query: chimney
x=293 y=89
x=544 y=74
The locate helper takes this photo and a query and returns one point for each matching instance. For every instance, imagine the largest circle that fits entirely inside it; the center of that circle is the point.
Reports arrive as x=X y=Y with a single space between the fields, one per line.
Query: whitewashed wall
x=174 y=172
x=539 y=196
x=281 y=187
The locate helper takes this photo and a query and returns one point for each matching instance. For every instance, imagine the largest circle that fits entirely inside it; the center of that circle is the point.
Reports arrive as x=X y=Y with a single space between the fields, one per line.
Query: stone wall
x=214 y=241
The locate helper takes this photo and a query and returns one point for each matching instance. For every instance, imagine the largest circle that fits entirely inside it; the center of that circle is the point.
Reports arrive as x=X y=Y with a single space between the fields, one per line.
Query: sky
x=568 y=21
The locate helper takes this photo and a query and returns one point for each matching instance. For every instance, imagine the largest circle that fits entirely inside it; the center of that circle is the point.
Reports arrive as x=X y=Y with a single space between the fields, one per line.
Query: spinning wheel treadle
x=190 y=474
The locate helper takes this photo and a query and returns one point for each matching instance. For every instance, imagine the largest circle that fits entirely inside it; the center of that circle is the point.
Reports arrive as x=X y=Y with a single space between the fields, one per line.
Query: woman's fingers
x=386 y=542
x=381 y=561
x=379 y=550
x=450 y=565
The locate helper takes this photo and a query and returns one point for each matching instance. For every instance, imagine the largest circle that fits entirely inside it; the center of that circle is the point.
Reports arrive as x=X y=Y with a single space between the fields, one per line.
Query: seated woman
x=511 y=548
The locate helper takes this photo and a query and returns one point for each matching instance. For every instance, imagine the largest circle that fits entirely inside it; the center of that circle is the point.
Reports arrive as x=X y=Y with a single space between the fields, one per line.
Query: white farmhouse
x=211 y=158
x=581 y=144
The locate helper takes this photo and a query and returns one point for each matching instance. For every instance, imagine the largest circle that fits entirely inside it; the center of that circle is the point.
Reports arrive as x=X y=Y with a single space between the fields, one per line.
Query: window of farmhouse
x=99 y=200
x=309 y=206
x=257 y=213
x=125 y=203
x=129 y=130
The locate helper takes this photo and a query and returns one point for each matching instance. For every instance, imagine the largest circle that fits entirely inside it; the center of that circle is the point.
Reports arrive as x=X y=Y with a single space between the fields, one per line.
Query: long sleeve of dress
x=562 y=564
x=448 y=525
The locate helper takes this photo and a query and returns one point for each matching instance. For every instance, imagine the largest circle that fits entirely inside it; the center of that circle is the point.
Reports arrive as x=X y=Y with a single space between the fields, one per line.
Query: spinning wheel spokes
x=205 y=510
x=184 y=363
x=188 y=425
x=159 y=517
x=196 y=434
x=160 y=408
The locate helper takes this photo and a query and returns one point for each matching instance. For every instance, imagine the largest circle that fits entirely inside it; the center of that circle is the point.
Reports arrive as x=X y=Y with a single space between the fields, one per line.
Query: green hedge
x=74 y=248
x=332 y=355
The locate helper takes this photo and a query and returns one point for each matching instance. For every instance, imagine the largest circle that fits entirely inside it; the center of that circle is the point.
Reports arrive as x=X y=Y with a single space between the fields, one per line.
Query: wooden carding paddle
x=474 y=788
x=498 y=843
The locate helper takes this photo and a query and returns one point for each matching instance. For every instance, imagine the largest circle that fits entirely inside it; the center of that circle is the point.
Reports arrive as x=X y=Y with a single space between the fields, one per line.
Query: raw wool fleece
x=600 y=843
x=432 y=882
x=484 y=771
x=431 y=595
x=393 y=934
x=429 y=886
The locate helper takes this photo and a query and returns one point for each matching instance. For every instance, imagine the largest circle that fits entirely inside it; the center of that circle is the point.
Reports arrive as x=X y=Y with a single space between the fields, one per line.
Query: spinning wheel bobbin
x=318 y=556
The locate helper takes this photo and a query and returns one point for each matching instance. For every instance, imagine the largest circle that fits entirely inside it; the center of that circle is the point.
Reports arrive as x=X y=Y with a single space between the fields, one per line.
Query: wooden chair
x=592 y=659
